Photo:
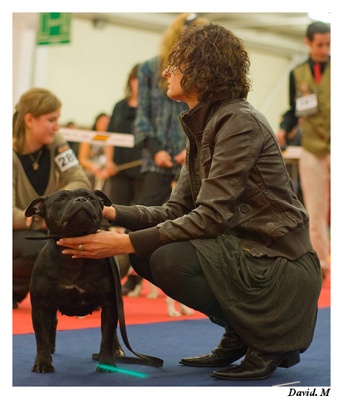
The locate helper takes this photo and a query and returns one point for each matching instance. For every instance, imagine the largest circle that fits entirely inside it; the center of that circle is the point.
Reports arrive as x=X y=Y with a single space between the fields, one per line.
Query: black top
x=121 y=121
x=39 y=177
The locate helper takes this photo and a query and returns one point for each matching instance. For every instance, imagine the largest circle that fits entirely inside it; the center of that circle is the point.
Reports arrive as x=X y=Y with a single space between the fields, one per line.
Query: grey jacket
x=65 y=173
x=234 y=182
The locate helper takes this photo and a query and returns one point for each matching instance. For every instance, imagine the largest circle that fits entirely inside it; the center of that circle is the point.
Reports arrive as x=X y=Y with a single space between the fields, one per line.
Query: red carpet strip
x=138 y=310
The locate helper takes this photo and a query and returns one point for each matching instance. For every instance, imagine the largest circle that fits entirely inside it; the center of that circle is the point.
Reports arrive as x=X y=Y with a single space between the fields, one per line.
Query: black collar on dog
x=49 y=236
x=45 y=237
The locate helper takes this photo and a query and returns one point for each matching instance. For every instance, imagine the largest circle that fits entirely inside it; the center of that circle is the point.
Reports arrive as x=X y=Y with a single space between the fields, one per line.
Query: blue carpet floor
x=170 y=341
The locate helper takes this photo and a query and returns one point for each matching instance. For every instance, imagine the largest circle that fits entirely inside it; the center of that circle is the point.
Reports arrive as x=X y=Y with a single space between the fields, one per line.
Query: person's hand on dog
x=102 y=244
x=35 y=222
x=109 y=213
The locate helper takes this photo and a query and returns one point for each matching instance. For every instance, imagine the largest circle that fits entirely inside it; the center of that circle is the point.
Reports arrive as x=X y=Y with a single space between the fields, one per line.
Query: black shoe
x=15 y=304
x=131 y=283
x=258 y=365
x=229 y=349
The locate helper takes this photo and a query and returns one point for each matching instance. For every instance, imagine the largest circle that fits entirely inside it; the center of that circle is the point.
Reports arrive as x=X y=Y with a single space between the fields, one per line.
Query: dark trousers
x=175 y=269
x=124 y=189
x=24 y=255
x=156 y=189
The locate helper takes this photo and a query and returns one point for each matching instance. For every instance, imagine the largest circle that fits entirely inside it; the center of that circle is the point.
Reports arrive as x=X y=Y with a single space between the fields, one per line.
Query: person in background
x=73 y=145
x=233 y=240
x=310 y=108
x=292 y=138
x=124 y=185
x=91 y=155
x=156 y=127
x=42 y=164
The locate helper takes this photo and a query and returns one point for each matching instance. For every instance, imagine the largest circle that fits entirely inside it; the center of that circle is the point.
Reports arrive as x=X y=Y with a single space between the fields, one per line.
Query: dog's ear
x=36 y=207
x=102 y=197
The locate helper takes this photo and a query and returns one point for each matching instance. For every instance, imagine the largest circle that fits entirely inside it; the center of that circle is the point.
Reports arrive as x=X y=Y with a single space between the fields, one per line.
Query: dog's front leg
x=109 y=322
x=44 y=324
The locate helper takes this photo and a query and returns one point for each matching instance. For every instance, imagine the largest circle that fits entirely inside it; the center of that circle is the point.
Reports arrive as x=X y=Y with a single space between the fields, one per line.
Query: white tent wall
x=90 y=72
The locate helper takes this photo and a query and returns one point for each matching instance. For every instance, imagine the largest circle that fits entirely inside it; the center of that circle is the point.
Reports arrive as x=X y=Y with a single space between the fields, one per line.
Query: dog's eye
x=60 y=199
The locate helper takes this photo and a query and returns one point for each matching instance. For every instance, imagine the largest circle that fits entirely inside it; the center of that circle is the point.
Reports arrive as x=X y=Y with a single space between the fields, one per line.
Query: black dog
x=75 y=287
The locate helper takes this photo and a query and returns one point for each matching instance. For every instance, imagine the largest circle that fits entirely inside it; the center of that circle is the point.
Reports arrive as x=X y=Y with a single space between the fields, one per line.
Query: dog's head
x=70 y=213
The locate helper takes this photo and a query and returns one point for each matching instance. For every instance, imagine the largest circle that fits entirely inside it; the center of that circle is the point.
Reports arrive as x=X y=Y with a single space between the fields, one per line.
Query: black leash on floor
x=141 y=358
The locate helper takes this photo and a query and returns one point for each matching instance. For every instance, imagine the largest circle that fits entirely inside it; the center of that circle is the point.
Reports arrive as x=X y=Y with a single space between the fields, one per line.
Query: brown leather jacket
x=234 y=182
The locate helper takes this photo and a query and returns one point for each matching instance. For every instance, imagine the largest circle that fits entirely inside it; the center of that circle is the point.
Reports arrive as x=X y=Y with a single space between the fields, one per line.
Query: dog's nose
x=80 y=199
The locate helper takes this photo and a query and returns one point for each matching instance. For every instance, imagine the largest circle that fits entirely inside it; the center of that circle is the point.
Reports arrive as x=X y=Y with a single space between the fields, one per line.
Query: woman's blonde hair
x=179 y=24
x=37 y=102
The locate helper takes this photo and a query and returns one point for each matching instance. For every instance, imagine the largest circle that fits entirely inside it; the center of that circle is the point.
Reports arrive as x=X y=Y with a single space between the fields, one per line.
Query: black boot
x=257 y=365
x=230 y=349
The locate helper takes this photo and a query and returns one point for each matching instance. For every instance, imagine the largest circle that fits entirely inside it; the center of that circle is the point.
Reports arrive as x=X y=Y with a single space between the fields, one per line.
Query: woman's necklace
x=35 y=161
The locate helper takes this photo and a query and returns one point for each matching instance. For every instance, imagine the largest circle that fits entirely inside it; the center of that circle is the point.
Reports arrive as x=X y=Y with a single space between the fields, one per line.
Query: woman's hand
x=163 y=160
x=180 y=157
x=111 y=168
x=102 y=244
x=35 y=222
x=281 y=137
x=109 y=213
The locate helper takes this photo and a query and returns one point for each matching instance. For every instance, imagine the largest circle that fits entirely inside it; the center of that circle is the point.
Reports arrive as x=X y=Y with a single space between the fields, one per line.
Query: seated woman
x=43 y=162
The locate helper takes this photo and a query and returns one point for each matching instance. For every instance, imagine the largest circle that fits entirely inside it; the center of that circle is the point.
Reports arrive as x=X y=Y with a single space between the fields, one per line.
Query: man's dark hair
x=317 y=27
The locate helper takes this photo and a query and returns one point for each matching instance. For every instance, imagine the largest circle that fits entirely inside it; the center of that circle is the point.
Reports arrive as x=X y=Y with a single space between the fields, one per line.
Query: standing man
x=310 y=106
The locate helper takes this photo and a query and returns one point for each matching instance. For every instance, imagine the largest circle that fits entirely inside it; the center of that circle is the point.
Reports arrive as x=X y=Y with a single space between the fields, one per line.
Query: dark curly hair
x=213 y=61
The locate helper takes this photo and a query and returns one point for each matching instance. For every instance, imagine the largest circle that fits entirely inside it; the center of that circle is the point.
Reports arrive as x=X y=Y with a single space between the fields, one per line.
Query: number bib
x=306 y=105
x=65 y=160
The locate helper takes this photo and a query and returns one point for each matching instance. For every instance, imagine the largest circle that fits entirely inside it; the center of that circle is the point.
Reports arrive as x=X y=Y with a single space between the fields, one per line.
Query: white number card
x=306 y=105
x=66 y=160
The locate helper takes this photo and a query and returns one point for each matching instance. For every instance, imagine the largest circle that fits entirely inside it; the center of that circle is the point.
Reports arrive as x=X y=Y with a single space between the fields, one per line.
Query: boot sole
x=287 y=361
x=214 y=363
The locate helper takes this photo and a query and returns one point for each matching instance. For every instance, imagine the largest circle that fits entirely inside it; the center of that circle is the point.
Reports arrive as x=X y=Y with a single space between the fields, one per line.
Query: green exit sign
x=54 y=28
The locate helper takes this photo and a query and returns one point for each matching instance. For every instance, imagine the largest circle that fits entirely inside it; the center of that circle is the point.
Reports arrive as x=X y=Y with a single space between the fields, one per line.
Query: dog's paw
x=136 y=291
x=108 y=368
x=153 y=294
x=173 y=313
x=106 y=364
x=185 y=310
x=171 y=310
x=43 y=367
